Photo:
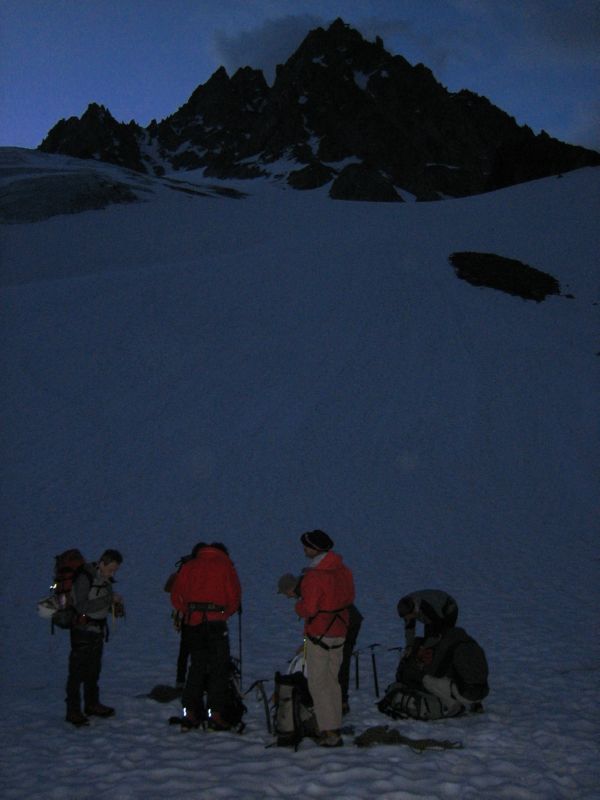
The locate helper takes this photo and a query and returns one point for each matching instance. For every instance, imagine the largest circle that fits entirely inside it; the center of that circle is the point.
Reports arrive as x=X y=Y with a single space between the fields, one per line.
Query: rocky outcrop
x=358 y=182
x=505 y=274
x=99 y=136
x=338 y=99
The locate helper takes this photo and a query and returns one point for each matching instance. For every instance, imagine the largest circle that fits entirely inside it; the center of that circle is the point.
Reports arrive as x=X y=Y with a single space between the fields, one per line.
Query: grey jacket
x=437 y=610
x=92 y=597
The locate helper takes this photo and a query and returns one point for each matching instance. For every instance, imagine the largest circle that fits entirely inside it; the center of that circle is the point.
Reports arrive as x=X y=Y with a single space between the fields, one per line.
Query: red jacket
x=208 y=578
x=327 y=587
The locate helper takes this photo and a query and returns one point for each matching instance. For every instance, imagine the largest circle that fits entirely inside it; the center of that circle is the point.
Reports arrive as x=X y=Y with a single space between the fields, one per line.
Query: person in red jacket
x=326 y=592
x=207 y=592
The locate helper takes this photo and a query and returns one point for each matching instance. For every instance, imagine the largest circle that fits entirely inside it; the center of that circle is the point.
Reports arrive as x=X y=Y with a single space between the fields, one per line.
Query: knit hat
x=317 y=540
x=287 y=583
x=406 y=606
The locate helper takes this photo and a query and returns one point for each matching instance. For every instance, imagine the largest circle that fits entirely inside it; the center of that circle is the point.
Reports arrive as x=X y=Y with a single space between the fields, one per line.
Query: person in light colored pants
x=323 y=668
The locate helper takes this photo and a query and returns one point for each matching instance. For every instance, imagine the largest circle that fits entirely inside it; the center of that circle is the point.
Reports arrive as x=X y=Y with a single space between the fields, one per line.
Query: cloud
x=265 y=46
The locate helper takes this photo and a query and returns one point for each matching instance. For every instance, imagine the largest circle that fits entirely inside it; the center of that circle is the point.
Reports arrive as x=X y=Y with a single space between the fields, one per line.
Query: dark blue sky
x=539 y=60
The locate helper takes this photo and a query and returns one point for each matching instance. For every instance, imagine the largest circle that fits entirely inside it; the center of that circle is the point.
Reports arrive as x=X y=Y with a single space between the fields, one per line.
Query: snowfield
x=199 y=365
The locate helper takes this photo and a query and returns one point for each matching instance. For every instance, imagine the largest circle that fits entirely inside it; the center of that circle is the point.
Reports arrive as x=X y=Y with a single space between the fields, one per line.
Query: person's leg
x=197 y=640
x=91 y=690
x=218 y=673
x=183 y=655
x=323 y=667
x=77 y=667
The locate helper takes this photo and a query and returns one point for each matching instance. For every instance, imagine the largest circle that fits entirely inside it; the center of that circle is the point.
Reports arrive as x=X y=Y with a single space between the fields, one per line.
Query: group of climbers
x=442 y=673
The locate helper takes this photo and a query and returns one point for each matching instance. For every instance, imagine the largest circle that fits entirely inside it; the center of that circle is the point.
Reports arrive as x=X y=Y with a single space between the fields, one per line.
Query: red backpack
x=59 y=606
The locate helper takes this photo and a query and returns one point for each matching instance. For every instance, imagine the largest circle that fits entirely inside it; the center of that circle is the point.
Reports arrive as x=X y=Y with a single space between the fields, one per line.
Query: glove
x=118 y=609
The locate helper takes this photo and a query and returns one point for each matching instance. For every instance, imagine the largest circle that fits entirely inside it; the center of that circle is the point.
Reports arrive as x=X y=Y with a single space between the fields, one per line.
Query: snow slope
x=195 y=366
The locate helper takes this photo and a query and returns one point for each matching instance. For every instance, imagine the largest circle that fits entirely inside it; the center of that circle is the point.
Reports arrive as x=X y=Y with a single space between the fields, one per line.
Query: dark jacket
x=454 y=655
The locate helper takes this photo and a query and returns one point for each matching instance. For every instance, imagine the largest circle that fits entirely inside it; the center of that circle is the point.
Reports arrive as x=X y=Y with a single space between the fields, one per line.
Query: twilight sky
x=538 y=60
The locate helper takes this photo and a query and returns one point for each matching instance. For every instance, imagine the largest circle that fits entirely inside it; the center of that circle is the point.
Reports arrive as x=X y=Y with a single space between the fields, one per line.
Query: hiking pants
x=209 y=670
x=323 y=667
x=184 y=653
x=85 y=663
x=348 y=649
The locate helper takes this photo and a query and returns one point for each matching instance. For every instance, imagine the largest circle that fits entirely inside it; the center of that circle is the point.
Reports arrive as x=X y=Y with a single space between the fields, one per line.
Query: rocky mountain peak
x=342 y=110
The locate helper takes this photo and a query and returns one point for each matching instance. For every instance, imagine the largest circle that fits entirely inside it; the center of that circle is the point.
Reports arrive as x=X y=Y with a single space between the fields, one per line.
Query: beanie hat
x=286 y=583
x=317 y=540
x=405 y=606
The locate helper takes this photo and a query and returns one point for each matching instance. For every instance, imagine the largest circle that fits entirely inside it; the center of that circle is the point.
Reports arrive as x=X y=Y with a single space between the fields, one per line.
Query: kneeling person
x=442 y=673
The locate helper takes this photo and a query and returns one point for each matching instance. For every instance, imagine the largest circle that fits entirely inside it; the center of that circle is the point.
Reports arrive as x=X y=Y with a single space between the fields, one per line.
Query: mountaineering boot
x=217 y=723
x=189 y=720
x=75 y=717
x=330 y=739
x=99 y=710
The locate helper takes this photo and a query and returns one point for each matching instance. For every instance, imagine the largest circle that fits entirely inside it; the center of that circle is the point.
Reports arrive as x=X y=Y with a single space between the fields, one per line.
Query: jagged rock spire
x=339 y=102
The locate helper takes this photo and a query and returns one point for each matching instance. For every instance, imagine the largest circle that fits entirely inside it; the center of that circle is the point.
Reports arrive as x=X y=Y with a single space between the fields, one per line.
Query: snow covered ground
x=198 y=367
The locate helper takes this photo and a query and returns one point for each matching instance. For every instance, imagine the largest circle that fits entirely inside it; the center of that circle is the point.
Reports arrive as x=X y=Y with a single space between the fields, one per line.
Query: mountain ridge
x=341 y=110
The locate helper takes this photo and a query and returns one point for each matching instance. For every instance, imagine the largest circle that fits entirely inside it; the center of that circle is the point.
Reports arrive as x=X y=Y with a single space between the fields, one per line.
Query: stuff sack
x=58 y=607
x=294 y=717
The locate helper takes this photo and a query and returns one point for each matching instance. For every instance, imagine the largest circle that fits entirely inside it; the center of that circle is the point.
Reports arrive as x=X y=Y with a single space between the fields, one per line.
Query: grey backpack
x=294 y=717
x=400 y=702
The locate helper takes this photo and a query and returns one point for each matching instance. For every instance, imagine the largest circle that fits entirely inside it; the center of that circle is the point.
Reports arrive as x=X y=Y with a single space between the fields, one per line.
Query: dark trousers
x=184 y=653
x=85 y=663
x=353 y=629
x=209 y=668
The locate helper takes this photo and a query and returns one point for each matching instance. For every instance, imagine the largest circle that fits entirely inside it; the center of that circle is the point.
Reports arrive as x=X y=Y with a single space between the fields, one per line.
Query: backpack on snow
x=294 y=717
x=58 y=607
x=400 y=702
x=234 y=709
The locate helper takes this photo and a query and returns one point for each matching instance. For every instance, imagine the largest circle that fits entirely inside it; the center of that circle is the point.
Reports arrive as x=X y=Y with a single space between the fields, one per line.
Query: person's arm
x=81 y=591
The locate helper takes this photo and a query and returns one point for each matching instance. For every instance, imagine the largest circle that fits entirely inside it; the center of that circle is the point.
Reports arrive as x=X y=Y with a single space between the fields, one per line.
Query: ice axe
x=356 y=672
x=259 y=685
x=374 y=665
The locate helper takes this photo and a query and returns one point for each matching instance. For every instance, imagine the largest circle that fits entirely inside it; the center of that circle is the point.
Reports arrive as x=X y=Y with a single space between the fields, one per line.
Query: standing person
x=326 y=592
x=207 y=592
x=93 y=598
x=289 y=585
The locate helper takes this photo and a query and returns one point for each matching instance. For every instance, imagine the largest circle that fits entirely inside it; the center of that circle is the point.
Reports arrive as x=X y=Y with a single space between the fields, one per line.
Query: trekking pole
x=374 y=665
x=259 y=685
x=356 y=674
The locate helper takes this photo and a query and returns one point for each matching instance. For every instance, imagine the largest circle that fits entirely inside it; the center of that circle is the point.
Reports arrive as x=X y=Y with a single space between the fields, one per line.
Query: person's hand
x=117 y=598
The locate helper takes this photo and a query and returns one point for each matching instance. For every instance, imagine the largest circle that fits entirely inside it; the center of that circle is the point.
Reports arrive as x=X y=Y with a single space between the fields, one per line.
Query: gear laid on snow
x=383 y=734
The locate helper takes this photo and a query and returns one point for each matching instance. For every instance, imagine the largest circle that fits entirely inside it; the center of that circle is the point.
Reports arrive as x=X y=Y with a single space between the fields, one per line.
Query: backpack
x=234 y=709
x=294 y=717
x=58 y=607
x=401 y=702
